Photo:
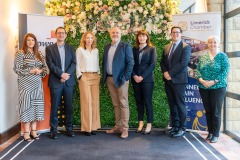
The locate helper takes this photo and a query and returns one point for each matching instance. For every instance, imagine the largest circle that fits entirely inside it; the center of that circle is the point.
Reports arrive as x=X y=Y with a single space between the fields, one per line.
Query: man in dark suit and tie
x=61 y=61
x=117 y=68
x=175 y=58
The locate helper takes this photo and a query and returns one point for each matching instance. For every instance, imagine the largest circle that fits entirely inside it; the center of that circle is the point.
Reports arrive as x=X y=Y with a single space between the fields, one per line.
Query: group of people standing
x=121 y=63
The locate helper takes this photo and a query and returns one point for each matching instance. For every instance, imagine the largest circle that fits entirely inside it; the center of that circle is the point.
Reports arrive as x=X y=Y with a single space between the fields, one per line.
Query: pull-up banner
x=196 y=29
x=43 y=27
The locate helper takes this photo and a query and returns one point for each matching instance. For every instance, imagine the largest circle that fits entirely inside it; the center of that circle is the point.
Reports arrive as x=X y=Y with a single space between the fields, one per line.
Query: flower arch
x=99 y=16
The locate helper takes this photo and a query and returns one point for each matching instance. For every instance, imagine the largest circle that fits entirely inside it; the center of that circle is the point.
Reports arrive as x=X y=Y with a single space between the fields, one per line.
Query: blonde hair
x=83 y=43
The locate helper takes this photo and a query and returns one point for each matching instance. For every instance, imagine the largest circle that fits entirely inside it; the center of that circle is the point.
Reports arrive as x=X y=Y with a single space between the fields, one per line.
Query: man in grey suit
x=117 y=68
x=175 y=58
x=61 y=61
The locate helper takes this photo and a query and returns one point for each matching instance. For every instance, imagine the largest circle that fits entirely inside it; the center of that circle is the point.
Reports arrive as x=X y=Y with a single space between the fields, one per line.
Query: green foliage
x=161 y=110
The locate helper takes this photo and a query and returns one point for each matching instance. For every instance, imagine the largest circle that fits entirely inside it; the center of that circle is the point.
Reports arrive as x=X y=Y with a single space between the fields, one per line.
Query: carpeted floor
x=156 y=146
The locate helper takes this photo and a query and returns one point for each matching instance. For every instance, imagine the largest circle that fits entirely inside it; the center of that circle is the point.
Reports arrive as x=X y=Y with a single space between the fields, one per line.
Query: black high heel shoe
x=87 y=133
x=27 y=139
x=139 y=131
x=147 y=132
x=34 y=137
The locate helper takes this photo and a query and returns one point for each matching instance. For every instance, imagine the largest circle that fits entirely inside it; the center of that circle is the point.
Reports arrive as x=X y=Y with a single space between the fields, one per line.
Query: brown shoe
x=124 y=134
x=113 y=130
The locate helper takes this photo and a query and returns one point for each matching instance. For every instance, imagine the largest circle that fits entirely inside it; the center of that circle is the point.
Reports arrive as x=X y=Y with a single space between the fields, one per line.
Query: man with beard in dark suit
x=117 y=68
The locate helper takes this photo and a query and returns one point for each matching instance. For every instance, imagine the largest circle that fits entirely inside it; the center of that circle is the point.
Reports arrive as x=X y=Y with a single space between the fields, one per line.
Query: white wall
x=8 y=79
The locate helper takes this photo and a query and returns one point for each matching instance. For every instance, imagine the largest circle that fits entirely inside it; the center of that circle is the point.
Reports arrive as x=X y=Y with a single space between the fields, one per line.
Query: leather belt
x=90 y=72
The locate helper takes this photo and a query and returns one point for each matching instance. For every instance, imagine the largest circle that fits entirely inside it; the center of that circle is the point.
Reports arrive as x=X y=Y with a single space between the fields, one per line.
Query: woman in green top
x=212 y=71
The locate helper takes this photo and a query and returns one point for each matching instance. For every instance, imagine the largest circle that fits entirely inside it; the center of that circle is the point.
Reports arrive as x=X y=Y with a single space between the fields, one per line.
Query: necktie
x=171 y=52
x=140 y=57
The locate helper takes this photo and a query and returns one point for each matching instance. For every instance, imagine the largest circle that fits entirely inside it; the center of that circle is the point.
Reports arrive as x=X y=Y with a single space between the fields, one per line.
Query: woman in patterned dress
x=212 y=71
x=30 y=67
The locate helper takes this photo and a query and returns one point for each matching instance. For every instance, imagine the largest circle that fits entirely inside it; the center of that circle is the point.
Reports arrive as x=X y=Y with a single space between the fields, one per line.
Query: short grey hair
x=214 y=37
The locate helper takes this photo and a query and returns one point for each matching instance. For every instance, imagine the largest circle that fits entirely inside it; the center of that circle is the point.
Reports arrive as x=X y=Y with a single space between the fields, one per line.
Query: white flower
x=163 y=1
x=120 y=9
x=149 y=6
x=73 y=17
x=125 y=7
x=145 y=12
x=120 y=24
x=140 y=9
x=100 y=3
x=82 y=16
x=77 y=3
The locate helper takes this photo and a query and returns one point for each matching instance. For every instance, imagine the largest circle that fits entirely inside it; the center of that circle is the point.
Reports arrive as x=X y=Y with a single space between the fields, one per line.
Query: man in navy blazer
x=117 y=68
x=175 y=58
x=61 y=61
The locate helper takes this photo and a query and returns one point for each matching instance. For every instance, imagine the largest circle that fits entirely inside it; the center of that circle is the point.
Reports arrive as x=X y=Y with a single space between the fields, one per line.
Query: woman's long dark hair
x=35 y=47
x=142 y=32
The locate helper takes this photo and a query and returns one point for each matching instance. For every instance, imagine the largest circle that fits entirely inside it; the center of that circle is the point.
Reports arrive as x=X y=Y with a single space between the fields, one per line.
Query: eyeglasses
x=175 y=32
x=61 y=33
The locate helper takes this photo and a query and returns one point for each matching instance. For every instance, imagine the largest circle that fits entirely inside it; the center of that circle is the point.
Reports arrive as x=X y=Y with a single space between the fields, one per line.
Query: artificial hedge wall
x=160 y=105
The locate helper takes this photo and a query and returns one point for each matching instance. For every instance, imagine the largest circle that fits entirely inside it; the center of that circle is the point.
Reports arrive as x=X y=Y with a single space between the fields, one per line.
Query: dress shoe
x=54 y=135
x=93 y=133
x=114 y=130
x=124 y=134
x=87 y=133
x=171 y=131
x=209 y=137
x=70 y=133
x=214 y=139
x=179 y=133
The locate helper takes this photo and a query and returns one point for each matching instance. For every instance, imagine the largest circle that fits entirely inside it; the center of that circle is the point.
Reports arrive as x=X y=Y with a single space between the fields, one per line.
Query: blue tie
x=171 y=52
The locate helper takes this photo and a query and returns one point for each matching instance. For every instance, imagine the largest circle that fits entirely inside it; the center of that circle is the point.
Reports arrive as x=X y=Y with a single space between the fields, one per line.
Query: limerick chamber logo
x=183 y=25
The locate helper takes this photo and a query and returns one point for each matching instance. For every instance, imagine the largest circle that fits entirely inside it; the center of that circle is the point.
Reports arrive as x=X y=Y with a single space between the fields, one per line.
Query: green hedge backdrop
x=160 y=105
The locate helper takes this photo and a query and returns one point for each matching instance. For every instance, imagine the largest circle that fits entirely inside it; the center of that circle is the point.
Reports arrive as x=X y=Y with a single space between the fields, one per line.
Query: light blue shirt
x=61 y=50
x=111 y=54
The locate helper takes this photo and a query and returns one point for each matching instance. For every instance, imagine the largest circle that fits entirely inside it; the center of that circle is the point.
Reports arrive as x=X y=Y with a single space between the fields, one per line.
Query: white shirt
x=87 y=61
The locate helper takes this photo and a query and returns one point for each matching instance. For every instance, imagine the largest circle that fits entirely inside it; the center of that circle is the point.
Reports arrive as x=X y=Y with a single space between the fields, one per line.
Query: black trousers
x=212 y=101
x=143 y=96
x=176 y=101
x=56 y=97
